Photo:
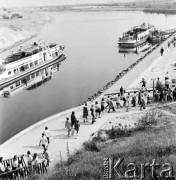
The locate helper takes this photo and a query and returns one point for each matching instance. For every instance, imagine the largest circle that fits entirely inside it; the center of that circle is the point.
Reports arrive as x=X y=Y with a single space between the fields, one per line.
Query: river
x=93 y=59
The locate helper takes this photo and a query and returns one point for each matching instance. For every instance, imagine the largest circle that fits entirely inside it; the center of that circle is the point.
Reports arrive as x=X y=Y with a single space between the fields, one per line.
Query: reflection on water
x=136 y=50
x=31 y=81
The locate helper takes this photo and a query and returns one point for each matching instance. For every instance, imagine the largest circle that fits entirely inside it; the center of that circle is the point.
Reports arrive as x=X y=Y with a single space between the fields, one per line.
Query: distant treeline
x=160 y=11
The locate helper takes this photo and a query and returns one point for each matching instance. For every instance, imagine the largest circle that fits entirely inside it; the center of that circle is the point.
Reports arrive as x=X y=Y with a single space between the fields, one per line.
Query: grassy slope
x=157 y=140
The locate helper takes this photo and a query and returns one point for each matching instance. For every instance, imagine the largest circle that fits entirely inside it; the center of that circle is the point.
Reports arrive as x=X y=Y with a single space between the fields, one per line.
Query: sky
x=23 y=3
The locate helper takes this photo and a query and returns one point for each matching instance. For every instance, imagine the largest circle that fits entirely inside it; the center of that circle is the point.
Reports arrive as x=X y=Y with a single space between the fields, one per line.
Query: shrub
x=91 y=146
x=100 y=136
x=16 y=16
x=150 y=119
x=116 y=132
x=173 y=80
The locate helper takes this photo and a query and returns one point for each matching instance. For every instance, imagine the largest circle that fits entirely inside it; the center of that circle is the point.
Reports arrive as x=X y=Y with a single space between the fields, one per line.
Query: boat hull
x=12 y=79
x=131 y=44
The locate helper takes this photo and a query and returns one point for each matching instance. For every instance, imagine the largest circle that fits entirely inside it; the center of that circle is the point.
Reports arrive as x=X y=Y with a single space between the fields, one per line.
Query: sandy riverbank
x=19 y=25
x=29 y=138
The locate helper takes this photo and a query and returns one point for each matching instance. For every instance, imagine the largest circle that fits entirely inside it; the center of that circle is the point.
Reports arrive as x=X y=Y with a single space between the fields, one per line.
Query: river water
x=93 y=59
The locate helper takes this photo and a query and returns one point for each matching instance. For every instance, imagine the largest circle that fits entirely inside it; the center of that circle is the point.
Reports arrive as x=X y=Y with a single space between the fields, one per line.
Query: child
x=68 y=125
x=77 y=125
x=46 y=157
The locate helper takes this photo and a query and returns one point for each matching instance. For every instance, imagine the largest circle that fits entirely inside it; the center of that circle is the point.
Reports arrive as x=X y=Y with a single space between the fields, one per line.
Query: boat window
x=56 y=53
x=53 y=54
x=31 y=64
x=15 y=71
x=35 y=62
x=28 y=78
x=24 y=81
x=22 y=68
x=17 y=83
x=26 y=66
x=41 y=72
x=37 y=73
x=9 y=72
x=40 y=60
x=33 y=75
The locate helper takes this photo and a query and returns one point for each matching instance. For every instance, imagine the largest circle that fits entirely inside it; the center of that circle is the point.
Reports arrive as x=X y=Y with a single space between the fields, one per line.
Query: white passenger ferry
x=136 y=50
x=136 y=36
x=31 y=80
x=27 y=60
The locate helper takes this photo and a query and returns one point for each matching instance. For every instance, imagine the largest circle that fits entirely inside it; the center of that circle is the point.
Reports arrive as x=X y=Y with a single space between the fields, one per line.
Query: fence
x=25 y=172
x=5 y=162
x=168 y=31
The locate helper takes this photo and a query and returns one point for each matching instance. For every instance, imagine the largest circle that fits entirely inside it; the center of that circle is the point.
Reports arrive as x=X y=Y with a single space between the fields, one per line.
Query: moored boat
x=31 y=80
x=136 y=36
x=138 y=49
x=28 y=60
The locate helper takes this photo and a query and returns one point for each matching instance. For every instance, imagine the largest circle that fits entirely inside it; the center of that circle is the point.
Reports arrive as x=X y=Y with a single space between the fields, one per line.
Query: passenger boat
x=32 y=80
x=136 y=36
x=136 y=50
x=27 y=60
x=156 y=37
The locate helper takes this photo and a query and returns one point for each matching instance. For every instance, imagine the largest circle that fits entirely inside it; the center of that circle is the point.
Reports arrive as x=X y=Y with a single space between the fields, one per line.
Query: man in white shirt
x=43 y=141
x=47 y=134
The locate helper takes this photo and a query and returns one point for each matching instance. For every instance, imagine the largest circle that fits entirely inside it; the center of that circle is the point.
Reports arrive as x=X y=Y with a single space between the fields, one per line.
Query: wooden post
x=153 y=87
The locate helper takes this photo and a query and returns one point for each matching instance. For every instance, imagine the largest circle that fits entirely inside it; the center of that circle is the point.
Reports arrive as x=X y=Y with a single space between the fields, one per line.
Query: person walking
x=134 y=99
x=128 y=103
x=143 y=83
x=68 y=126
x=77 y=126
x=158 y=84
x=92 y=110
x=46 y=157
x=47 y=134
x=118 y=101
x=43 y=141
x=121 y=91
x=85 y=112
x=73 y=118
x=102 y=105
x=139 y=97
x=174 y=94
x=107 y=101
x=167 y=82
x=161 y=51
x=97 y=110
x=111 y=105
x=142 y=103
